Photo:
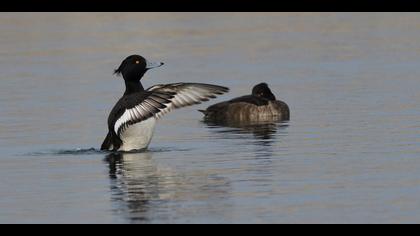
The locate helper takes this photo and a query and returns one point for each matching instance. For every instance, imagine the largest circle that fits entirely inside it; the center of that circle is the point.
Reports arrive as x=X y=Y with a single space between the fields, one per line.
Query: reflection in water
x=265 y=132
x=350 y=155
x=143 y=191
x=134 y=182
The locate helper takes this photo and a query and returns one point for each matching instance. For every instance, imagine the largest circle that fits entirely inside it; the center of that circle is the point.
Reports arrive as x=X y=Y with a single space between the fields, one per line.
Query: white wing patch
x=141 y=112
x=165 y=98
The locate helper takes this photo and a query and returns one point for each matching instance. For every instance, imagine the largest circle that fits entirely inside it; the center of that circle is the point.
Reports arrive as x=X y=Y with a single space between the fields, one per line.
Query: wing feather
x=187 y=94
x=161 y=99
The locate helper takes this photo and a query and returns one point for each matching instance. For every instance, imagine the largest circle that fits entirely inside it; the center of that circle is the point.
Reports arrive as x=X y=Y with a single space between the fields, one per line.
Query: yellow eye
x=137 y=62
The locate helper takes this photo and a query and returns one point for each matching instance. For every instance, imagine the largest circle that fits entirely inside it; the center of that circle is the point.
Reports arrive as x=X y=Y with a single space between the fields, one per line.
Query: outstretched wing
x=136 y=108
x=158 y=101
x=186 y=94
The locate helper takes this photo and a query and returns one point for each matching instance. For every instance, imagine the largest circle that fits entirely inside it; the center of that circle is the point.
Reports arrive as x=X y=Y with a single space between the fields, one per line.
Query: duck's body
x=243 y=111
x=132 y=121
x=261 y=105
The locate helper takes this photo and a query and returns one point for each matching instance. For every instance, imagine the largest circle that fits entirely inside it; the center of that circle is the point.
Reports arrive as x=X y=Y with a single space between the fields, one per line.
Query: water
x=350 y=153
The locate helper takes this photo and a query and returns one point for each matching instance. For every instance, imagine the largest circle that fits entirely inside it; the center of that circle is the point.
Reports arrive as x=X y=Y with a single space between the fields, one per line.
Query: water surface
x=350 y=153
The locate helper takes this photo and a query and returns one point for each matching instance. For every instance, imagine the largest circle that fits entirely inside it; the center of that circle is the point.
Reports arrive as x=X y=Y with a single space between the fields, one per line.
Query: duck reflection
x=264 y=132
x=134 y=183
x=263 y=138
x=144 y=191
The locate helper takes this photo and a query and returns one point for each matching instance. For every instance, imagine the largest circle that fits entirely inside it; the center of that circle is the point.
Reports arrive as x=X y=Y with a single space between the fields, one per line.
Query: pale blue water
x=350 y=154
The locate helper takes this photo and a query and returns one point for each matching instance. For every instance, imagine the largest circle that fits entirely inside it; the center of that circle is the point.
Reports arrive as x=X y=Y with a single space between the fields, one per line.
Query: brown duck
x=261 y=105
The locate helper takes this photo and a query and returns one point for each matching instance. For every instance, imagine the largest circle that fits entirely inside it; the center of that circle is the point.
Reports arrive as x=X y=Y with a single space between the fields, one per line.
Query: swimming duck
x=261 y=105
x=132 y=121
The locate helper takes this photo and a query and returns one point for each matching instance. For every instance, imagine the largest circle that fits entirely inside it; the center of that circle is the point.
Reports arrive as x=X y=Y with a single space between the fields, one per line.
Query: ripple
x=77 y=151
x=94 y=151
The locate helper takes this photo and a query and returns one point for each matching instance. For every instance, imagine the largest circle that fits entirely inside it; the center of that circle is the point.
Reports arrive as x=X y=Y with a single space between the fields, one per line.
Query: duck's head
x=134 y=67
x=263 y=91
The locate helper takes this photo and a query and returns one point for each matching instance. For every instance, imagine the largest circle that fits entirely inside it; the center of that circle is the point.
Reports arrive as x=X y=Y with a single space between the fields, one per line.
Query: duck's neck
x=133 y=87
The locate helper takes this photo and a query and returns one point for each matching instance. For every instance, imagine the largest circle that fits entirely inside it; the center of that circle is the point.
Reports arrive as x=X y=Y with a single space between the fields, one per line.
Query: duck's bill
x=151 y=65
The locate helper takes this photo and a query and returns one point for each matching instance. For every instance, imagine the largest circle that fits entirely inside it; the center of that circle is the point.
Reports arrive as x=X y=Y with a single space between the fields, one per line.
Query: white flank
x=138 y=136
